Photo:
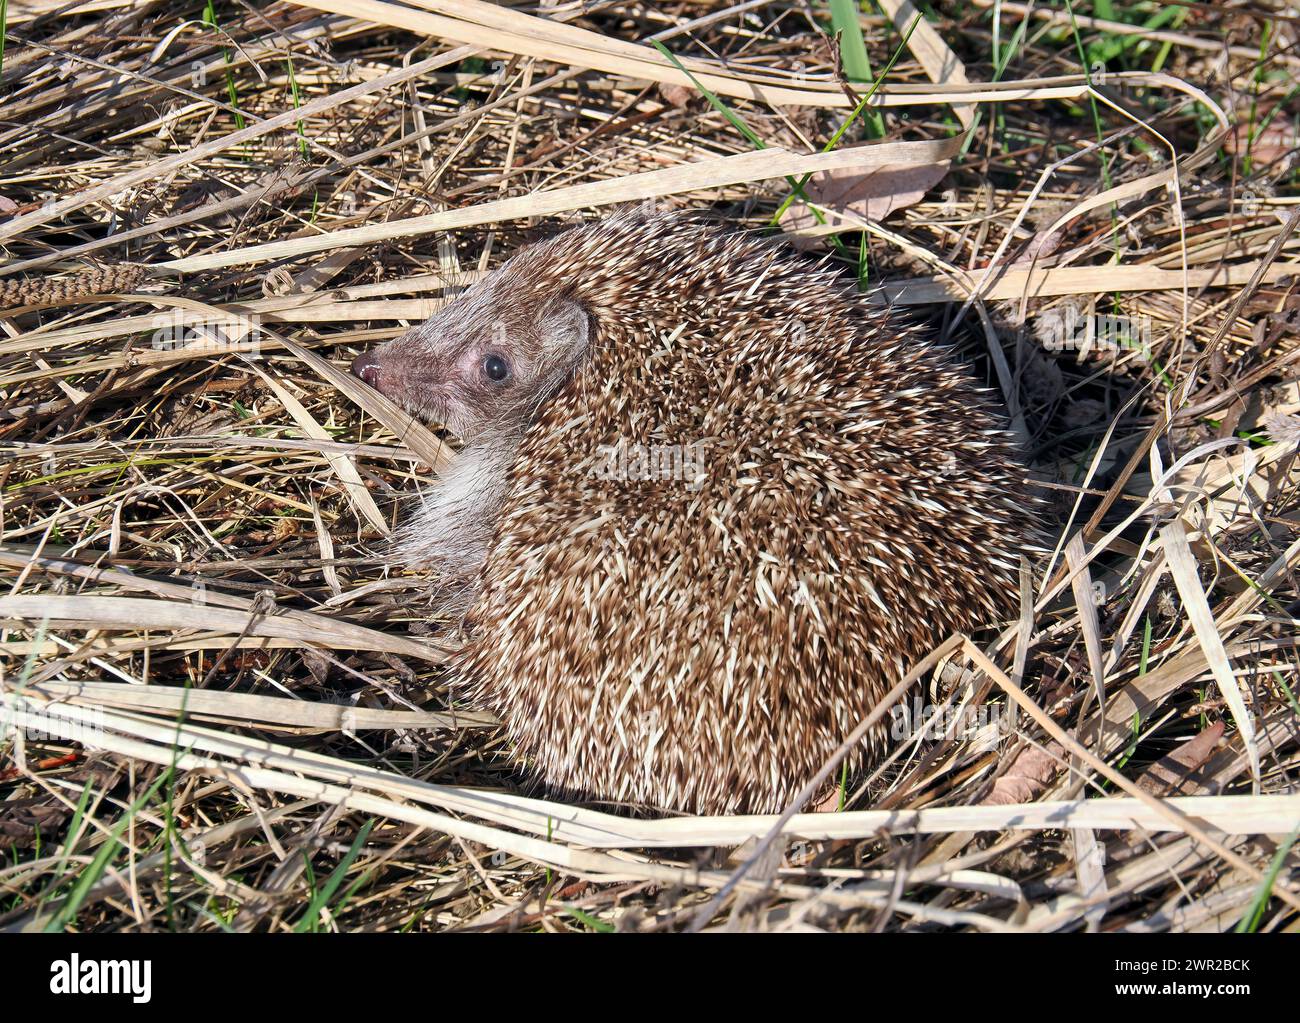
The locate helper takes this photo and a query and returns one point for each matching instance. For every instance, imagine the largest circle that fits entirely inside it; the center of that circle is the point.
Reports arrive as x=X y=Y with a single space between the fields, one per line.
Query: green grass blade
x=322 y=897
x=853 y=49
x=798 y=187
x=586 y=918
x=713 y=99
x=1249 y=923
x=86 y=880
x=297 y=105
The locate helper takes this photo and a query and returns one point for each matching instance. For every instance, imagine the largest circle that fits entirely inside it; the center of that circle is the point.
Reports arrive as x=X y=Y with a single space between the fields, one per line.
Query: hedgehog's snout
x=366 y=366
x=419 y=387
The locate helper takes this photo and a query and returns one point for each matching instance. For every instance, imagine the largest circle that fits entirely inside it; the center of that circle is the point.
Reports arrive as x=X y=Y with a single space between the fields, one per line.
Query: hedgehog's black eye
x=496 y=369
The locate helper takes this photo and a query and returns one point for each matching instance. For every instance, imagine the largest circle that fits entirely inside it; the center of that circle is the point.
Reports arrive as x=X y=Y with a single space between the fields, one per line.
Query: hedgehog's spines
x=704 y=645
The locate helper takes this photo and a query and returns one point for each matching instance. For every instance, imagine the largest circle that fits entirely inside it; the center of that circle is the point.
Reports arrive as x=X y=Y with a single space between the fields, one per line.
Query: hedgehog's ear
x=565 y=329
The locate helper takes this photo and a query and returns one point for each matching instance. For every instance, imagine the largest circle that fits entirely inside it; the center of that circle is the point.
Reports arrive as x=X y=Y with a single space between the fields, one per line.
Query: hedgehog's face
x=481 y=365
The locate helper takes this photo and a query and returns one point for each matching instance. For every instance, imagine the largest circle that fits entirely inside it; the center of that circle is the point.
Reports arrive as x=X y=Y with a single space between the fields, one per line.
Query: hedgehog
x=711 y=505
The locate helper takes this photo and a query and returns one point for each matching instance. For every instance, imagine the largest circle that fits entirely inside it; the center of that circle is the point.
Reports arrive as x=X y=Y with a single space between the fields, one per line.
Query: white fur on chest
x=451 y=528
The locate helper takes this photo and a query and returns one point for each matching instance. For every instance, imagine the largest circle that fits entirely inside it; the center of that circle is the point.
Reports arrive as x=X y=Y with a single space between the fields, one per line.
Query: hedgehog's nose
x=366 y=366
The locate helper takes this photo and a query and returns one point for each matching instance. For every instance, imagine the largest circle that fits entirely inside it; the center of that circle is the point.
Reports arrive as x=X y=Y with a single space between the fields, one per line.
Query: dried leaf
x=1273 y=142
x=1175 y=774
x=25 y=821
x=1028 y=776
x=676 y=95
x=871 y=196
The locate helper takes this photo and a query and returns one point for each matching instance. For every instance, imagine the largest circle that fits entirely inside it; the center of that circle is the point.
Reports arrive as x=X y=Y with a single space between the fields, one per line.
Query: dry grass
x=231 y=714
